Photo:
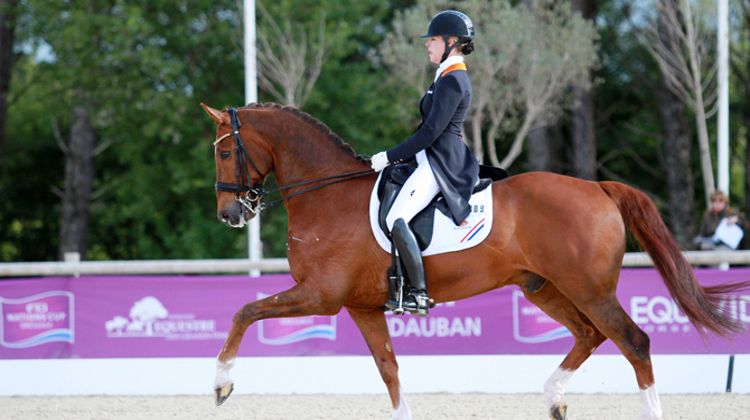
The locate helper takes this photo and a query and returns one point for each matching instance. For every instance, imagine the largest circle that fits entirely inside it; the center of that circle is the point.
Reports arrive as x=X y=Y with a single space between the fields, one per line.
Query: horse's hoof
x=223 y=393
x=558 y=412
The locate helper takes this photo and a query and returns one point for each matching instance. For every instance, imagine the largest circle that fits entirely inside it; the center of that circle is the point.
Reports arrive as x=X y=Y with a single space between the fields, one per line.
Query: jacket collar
x=454 y=59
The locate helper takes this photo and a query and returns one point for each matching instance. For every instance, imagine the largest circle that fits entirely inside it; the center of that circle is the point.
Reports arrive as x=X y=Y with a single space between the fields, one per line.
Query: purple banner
x=190 y=316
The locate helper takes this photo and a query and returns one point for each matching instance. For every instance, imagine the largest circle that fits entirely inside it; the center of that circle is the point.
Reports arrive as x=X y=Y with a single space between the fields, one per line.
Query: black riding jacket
x=444 y=108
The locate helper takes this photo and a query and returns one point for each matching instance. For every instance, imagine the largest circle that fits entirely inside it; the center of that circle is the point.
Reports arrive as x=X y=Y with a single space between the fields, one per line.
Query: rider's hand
x=379 y=161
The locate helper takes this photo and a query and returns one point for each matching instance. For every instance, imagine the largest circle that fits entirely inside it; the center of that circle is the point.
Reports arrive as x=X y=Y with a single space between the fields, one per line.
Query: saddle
x=393 y=179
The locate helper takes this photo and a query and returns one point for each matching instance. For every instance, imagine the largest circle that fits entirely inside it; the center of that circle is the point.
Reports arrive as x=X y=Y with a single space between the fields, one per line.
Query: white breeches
x=418 y=190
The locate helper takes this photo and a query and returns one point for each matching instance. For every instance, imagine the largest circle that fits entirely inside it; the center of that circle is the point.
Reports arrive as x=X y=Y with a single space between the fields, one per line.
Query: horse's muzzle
x=235 y=215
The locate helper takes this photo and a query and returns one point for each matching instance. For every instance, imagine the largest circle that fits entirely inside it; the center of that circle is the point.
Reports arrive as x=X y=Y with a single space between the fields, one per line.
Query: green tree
x=9 y=11
x=523 y=67
x=142 y=68
x=139 y=66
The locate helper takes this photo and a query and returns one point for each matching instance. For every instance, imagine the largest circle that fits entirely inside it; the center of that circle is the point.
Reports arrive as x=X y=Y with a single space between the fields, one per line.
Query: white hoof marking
x=401 y=412
x=651 y=407
x=222 y=374
x=554 y=388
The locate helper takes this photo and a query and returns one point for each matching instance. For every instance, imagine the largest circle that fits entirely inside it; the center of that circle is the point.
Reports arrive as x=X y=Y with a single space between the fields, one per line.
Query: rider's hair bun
x=467 y=48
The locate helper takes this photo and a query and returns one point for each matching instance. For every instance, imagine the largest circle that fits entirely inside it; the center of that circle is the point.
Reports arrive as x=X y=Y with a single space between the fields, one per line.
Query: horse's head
x=241 y=168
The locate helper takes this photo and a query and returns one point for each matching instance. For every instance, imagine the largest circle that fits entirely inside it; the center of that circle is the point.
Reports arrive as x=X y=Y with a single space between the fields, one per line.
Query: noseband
x=250 y=196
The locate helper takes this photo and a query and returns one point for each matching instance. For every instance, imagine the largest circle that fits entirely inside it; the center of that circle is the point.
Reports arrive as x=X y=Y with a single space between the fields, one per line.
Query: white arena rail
x=641 y=259
x=272 y=265
x=59 y=268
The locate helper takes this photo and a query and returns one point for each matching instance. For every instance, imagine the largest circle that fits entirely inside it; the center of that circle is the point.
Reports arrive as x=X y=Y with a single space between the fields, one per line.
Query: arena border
x=334 y=375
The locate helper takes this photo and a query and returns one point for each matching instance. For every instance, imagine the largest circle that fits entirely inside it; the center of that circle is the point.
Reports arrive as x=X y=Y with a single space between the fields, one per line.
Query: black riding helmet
x=451 y=23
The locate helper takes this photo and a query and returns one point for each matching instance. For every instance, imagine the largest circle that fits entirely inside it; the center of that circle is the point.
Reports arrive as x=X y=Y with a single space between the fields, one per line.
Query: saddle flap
x=422 y=226
x=391 y=182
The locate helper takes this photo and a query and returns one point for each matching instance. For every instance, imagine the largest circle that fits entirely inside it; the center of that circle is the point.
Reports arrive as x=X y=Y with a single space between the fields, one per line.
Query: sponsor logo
x=532 y=325
x=37 y=319
x=280 y=331
x=434 y=327
x=658 y=314
x=148 y=317
x=738 y=307
x=662 y=315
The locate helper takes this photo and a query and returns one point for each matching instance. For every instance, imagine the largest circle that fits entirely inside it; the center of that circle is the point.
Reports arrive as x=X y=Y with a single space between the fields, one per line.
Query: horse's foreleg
x=373 y=326
x=297 y=301
x=587 y=339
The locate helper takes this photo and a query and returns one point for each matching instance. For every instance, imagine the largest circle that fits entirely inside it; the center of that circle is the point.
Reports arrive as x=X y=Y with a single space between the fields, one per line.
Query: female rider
x=445 y=164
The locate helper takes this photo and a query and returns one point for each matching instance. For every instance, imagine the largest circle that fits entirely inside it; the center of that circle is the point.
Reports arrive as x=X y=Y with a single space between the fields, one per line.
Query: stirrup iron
x=419 y=303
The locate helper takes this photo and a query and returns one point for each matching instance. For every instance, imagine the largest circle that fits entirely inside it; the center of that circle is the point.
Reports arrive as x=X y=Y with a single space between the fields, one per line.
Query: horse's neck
x=302 y=153
x=303 y=156
x=304 y=159
x=333 y=210
x=306 y=165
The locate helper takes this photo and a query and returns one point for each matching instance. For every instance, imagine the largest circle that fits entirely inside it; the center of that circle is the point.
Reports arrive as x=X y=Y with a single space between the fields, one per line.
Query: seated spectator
x=712 y=218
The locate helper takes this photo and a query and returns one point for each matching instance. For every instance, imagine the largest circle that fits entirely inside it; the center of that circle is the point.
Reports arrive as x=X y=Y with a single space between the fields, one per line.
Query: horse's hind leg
x=614 y=322
x=587 y=339
x=591 y=322
x=374 y=329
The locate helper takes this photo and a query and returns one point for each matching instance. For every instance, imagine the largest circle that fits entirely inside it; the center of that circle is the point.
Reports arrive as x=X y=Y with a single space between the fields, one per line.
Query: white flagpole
x=254 y=246
x=723 y=113
x=722 y=137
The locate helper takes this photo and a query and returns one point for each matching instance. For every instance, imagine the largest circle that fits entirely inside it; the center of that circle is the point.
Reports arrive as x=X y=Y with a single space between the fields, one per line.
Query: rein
x=242 y=157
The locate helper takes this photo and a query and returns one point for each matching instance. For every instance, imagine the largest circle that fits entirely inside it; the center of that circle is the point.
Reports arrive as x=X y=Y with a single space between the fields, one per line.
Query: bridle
x=250 y=196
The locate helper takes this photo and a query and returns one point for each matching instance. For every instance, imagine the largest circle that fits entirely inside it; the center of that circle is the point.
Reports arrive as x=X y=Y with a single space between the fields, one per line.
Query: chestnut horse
x=560 y=239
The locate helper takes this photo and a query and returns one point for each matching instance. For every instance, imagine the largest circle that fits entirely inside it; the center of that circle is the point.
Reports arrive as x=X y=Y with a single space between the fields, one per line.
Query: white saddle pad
x=446 y=237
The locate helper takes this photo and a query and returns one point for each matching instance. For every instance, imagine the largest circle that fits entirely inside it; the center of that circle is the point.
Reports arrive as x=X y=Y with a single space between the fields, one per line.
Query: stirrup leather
x=396 y=282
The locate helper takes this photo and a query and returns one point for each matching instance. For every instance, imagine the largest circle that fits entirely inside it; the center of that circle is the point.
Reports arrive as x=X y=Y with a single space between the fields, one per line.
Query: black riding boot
x=417 y=301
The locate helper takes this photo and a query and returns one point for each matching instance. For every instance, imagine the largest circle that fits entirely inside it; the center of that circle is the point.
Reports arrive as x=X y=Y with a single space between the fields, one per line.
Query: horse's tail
x=702 y=305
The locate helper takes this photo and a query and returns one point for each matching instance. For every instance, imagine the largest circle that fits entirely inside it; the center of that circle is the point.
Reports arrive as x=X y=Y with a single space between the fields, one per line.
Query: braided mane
x=309 y=119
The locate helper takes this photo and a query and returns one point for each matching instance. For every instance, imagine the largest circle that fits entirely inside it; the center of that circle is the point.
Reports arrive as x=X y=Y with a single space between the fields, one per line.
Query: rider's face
x=435 y=48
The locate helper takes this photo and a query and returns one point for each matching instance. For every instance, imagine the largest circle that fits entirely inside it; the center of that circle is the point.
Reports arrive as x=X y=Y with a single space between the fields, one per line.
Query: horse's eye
x=225 y=154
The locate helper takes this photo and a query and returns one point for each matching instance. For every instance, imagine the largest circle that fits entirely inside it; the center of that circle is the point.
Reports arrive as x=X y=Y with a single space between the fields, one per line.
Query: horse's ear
x=218 y=116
